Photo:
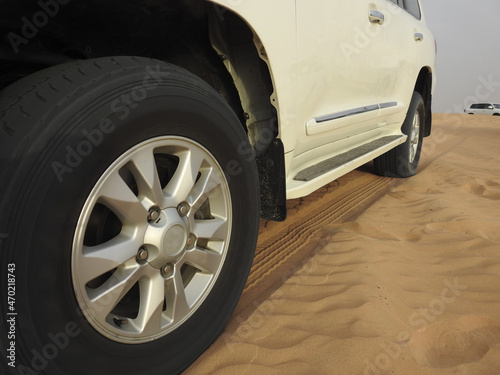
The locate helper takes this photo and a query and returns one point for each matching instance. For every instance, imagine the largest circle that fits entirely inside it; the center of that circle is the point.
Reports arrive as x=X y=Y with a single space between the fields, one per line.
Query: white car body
x=332 y=65
x=489 y=109
x=147 y=145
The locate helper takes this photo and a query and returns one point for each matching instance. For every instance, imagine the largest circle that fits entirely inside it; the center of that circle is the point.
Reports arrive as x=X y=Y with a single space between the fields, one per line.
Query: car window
x=497 y=106
x=474 y=106
x=413 y=8
x=398 y=2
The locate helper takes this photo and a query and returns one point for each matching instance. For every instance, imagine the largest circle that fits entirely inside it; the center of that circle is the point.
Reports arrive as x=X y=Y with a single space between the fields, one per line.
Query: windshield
x=497 y=106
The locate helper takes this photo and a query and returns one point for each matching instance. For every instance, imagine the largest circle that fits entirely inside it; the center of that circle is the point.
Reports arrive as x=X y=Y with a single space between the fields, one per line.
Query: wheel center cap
x=166 y=238
x=174 y=240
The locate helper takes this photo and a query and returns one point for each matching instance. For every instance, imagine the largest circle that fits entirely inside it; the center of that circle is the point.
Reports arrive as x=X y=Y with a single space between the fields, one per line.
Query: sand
x=373 y=275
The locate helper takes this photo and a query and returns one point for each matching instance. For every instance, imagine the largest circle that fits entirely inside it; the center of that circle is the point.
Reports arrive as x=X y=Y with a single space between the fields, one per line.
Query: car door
x=407 y=41
x=474 y=109
x=482 y=108
x=338 y=70
x=489 y=109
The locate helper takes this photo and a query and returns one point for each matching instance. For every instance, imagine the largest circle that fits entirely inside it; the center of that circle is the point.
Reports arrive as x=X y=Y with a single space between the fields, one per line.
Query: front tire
x=130 y=216
x=402 y=161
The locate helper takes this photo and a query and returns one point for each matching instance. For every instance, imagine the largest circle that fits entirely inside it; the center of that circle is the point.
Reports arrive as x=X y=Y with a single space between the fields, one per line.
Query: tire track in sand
x=284 y=246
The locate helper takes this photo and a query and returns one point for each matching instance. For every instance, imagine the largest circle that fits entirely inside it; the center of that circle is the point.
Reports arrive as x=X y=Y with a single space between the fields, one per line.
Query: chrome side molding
x=355 y=111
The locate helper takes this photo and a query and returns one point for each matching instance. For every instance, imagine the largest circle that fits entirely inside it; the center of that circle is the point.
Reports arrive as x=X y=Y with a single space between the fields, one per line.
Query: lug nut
x=154 y=214
x=142 y=255
x=167 y=271
x=191 y=240
x=183 y=209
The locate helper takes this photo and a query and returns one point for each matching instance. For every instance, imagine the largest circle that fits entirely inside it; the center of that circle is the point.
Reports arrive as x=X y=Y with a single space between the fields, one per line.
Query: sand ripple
x=373 y=276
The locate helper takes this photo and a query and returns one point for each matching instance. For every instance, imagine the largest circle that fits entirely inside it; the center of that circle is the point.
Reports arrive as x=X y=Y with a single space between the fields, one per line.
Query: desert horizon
x=373 y=275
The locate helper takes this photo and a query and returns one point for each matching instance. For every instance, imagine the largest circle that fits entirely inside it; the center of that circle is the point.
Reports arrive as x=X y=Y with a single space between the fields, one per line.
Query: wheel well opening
x=209 y=41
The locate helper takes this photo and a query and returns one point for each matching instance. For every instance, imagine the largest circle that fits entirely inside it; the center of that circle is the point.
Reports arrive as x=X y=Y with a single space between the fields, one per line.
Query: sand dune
x=371 y=275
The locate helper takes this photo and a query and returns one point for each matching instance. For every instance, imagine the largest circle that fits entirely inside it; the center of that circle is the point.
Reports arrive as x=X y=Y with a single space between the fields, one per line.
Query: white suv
x=142 y=140
x=484 y=109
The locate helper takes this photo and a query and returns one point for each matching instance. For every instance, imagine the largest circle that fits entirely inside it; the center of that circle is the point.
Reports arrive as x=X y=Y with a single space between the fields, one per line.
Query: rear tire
x=128 y=212
x=402 y=161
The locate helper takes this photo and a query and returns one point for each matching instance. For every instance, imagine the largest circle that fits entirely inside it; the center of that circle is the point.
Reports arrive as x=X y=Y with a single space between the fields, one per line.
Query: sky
x=468 y=60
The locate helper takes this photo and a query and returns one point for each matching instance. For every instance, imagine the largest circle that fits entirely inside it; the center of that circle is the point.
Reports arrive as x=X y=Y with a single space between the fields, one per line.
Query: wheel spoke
x=184 y=177
x=146 y=176
x=97 y=260
x=152 y=291
x=205 y=260
x=117 y=196
x=414 y=137
x=208 y=182
x=177 y=305
x=415 y=133
x=104 y=299
x=215 y=229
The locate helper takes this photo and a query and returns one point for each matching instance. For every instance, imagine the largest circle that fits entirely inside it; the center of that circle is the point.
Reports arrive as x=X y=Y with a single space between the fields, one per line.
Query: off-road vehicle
x=142 y=140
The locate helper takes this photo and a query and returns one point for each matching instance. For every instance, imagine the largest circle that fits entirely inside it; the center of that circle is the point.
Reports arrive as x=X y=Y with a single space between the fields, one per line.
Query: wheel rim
x=151 y=240
x=414 y=137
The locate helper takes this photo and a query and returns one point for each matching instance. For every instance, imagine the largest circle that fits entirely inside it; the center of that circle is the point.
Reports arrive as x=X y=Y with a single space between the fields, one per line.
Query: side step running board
x=337 y=161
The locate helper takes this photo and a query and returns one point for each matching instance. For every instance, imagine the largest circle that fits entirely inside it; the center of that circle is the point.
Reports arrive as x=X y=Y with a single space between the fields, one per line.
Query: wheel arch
x=212 y=42
x=193 y=34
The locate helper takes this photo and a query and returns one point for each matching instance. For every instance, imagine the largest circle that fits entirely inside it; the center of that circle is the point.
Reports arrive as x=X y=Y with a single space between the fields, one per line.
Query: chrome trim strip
x=355 y=111
x=388 y=105
x=350 y=112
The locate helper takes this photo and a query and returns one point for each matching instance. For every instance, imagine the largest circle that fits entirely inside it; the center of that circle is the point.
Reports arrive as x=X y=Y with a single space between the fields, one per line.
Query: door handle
x=419 y=37
x=376 y=17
